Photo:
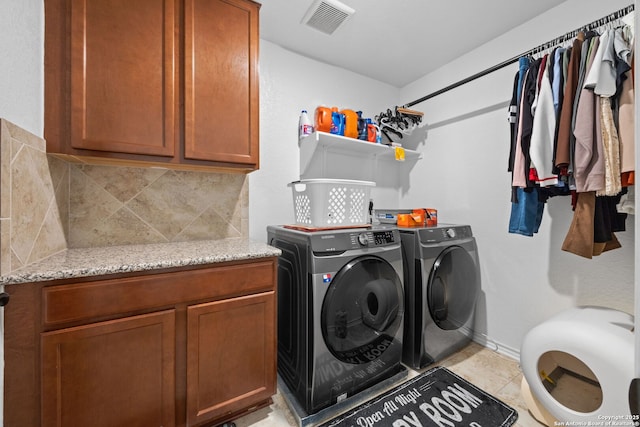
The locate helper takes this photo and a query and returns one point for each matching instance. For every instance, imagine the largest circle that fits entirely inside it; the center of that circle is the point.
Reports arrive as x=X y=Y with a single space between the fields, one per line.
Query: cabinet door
x=221 y=81
x=231 y=359
x=123 y=76
x=113 y=373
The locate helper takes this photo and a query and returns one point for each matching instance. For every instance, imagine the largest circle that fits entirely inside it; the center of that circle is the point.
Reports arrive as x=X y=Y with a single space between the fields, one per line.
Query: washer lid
x=362 y=310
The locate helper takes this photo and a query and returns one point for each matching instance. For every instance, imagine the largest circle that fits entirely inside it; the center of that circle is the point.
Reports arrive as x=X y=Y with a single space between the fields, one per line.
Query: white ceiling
x=397 y=41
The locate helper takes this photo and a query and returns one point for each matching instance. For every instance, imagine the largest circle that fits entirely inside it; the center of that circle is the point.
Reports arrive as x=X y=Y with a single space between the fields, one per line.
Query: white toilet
x=578 y=366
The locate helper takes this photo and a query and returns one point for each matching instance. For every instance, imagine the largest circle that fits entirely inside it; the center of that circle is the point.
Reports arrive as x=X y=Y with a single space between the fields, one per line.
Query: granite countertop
x=87 y=262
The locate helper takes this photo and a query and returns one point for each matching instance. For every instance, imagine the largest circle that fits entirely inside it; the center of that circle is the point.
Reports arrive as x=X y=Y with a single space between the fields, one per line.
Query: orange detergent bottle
x=323 y=119
x=351 y=123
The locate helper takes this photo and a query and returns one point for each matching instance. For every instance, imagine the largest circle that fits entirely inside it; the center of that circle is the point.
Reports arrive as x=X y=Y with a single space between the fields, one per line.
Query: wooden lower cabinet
x=115 y=373
x=229 y=358
x=194 y=347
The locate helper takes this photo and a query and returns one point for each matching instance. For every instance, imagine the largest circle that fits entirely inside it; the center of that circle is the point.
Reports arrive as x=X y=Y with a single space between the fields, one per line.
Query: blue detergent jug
x=337 y=123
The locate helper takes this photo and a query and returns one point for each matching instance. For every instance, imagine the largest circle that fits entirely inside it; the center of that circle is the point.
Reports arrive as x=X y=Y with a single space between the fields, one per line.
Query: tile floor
x=497 y=374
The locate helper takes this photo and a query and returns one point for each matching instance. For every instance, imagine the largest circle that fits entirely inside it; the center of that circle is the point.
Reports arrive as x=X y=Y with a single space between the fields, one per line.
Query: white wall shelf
x=325 y=155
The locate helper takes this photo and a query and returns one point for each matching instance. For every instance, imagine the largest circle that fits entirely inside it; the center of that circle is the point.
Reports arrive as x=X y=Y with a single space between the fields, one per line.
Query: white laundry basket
x=331 y=202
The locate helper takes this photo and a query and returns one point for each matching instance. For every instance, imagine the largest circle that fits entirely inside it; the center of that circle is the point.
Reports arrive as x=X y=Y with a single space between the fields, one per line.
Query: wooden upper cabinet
x=221 y=81
x=123 y=76
x=163 y=81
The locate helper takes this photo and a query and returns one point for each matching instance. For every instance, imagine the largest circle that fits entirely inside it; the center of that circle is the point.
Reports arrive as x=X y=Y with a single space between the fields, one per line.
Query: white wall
x=22 y=84
x=464 y=175
x=290 y=83
x=22 y=63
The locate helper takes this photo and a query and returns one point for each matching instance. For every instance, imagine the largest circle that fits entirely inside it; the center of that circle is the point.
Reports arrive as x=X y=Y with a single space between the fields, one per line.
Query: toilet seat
x=592 y=342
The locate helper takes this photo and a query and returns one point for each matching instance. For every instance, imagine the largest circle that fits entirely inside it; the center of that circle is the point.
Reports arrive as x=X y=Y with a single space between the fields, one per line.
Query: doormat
x=437 y=397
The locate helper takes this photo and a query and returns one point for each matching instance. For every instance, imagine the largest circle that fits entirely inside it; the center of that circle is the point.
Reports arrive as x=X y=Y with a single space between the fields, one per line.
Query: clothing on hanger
x=571 y=129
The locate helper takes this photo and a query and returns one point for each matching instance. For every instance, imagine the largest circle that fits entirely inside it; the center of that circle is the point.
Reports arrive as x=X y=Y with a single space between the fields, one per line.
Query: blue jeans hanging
x=526 y=213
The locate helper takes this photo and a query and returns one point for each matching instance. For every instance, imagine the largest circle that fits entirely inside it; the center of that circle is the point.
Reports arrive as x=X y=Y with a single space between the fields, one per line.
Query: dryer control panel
x=443 y=233
x=375 y=238
x=343 y=240
x=384 y=237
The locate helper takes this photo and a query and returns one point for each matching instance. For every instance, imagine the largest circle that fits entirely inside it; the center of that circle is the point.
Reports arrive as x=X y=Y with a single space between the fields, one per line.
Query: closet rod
x=597 y=23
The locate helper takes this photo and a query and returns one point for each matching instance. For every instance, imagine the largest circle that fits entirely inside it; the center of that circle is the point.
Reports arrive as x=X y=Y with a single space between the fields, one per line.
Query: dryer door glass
x=362 y=310
x=452 y=288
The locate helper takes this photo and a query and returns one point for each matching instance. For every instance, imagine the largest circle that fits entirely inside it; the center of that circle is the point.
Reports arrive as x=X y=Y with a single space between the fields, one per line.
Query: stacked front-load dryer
x=340 y=311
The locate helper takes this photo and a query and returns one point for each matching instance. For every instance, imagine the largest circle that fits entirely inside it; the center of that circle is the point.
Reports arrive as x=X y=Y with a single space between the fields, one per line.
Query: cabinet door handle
x=4 y=299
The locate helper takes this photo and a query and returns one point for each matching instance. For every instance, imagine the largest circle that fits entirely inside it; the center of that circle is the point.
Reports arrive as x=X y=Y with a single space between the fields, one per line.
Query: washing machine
x=340 y=311
x=442 y=284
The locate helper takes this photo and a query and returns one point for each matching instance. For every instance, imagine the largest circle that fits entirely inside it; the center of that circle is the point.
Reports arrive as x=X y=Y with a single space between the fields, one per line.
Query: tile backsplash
x=111 y=205
x=48 y=204
x=31 y=227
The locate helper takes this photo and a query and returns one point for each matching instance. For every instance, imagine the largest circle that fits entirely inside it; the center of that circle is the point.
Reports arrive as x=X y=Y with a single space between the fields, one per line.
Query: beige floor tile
x=510 y=393
x=497 y=374
x=483 y=367
x=276 y=415
x=525 y=419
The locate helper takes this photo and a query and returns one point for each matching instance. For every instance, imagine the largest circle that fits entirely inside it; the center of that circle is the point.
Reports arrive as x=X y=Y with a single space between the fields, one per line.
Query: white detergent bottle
x=305 y=127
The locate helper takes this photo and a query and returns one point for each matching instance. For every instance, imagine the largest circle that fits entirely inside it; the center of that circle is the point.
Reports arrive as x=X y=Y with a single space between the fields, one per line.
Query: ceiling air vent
x=327 y=15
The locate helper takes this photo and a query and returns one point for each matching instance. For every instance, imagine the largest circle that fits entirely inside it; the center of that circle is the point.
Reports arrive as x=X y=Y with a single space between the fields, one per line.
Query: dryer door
x=362 y=310
x=452 y=288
